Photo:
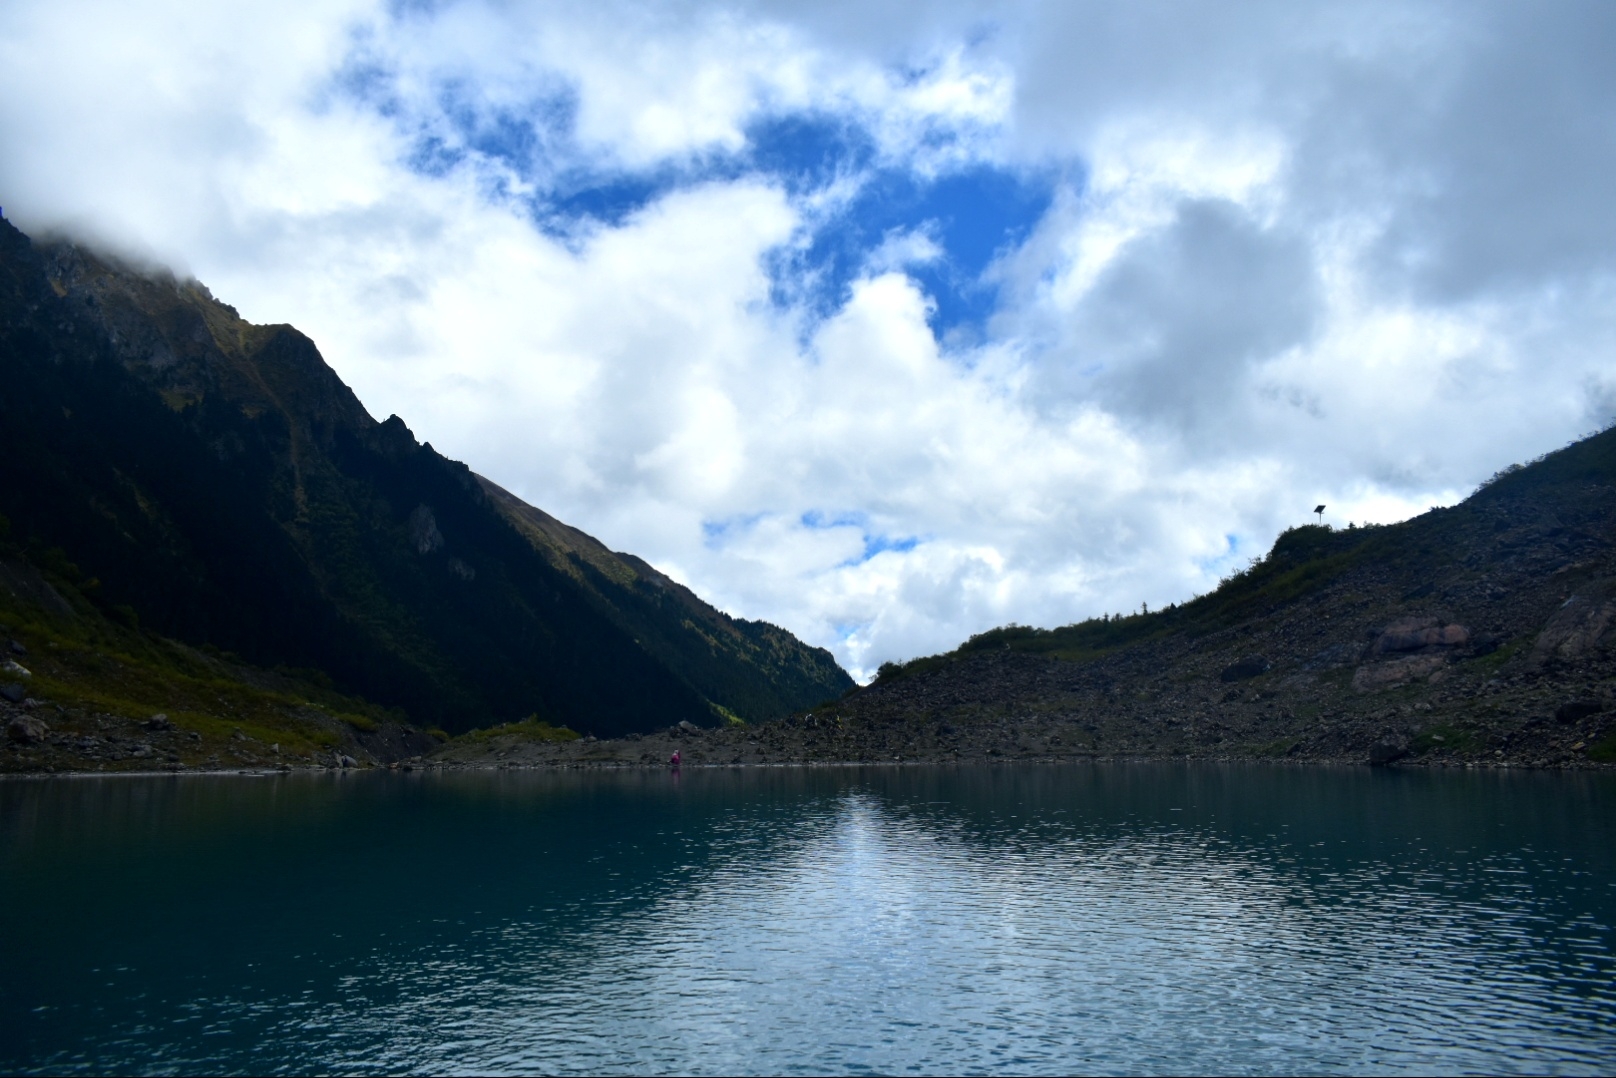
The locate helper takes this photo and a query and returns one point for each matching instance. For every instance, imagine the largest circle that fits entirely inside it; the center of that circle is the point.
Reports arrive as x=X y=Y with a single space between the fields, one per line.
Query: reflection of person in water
x=673 y=761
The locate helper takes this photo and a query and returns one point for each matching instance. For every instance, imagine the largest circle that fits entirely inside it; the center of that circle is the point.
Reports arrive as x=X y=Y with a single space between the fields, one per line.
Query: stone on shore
x=26 y=730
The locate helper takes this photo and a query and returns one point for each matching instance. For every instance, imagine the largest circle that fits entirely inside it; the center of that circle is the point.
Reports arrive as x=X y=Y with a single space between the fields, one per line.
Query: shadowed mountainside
x=215 y=481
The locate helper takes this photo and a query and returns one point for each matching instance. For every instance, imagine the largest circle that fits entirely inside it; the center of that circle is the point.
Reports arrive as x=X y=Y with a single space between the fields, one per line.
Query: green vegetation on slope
x=1302 y=559
x=89 y=668
x=1306 y=559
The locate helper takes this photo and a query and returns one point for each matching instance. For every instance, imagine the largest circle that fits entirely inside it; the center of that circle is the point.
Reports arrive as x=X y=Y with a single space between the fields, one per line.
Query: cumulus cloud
x=887 y=333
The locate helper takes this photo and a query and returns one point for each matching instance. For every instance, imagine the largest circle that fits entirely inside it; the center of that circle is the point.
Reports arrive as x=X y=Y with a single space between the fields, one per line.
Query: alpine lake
x=1160 y=918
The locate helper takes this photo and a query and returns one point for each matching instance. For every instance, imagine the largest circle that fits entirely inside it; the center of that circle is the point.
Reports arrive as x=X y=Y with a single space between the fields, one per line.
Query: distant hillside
x=1476 y=633
x=216 y=481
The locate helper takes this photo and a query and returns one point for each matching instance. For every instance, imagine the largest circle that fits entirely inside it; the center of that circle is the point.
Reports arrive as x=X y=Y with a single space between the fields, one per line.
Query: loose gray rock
x=1335 y=655
x=347 y=761
x=17 y=648
x=14 y=692
x=1249 y=667
x=424 y=533
x=159 y=721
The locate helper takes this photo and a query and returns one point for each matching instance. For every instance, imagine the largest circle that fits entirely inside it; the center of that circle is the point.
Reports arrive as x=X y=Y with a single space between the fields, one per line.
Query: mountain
x=215 y=481
x=1482 y=634
x=1477 y=633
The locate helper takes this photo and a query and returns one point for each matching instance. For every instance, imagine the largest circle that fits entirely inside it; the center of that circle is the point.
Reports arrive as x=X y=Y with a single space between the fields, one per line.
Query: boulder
x=14 y=692
x=159 y=721
x=1249 y=667
x=17 y=648
x=1383 y=675
x=15 y=669
x=26 y=730
x=1386 y=751
x=1414 y=634
x=1577 y=710
x=1574 y=628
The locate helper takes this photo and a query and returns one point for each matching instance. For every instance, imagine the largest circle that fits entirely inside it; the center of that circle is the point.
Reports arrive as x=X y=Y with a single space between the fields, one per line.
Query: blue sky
x=971 y=213
x=886 y=330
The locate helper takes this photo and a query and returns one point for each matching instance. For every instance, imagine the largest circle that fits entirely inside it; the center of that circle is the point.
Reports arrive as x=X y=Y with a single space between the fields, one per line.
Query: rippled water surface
x=1106 y=918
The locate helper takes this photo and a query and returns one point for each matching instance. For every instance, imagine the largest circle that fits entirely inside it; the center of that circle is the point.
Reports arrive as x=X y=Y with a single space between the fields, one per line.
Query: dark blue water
x=1109 y=918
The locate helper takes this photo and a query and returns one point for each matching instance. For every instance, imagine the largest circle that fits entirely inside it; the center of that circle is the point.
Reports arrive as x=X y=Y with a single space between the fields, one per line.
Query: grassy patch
x=361 y=722
x=729 y=717
x=1487 y=665
x=1445 y=736
x=887 y=673
x=1271 y=749
x=305 y=738
x=531 y=728
x=96 y=664
x=1604 y=750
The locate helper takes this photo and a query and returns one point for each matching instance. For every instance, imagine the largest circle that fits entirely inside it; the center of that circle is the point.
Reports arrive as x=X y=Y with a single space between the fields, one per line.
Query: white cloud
x=1358 y=254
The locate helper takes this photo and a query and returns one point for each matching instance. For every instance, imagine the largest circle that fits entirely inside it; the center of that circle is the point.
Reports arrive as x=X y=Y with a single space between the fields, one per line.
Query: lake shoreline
x=816 y=739
x=495 y=761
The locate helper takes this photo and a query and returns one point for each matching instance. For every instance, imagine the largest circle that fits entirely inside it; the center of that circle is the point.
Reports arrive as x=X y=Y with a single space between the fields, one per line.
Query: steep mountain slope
x=670 y=622
x=217 y=481
x=84 y=691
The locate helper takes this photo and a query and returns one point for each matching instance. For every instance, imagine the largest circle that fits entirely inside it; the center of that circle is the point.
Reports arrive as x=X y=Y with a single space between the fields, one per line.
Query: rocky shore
x=1478 y=636
x=46 y=739
x=1403 y=736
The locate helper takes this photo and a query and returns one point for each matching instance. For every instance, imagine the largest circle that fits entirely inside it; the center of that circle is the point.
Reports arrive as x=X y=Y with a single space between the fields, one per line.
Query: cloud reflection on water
x=1151 y=918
